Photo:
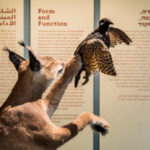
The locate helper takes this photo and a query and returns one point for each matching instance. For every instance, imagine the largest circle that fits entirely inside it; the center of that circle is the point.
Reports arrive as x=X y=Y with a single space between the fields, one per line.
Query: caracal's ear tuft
x=22 y=43
x=14 y=58
x=6 y=49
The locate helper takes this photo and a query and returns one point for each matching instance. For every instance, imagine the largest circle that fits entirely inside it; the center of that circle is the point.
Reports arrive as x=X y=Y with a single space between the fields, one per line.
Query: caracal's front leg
x=55 y=137
x=57 y=90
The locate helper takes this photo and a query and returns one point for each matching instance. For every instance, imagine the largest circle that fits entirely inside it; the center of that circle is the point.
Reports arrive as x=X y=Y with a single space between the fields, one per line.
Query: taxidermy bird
x=94 y=50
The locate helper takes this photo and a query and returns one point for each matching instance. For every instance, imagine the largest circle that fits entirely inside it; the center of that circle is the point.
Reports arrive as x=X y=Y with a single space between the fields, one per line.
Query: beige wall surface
x=125 y=99
x=11 y=31
x=57 y=27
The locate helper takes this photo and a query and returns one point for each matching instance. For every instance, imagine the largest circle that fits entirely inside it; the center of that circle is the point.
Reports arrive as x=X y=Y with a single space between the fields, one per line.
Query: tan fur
x=25 y=117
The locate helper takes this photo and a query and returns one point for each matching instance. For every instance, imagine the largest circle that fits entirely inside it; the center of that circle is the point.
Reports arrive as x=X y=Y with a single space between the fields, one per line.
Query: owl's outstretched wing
x=118 y=36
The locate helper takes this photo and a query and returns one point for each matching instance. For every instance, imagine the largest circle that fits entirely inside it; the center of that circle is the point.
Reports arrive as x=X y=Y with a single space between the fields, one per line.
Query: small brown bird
x=94 y=50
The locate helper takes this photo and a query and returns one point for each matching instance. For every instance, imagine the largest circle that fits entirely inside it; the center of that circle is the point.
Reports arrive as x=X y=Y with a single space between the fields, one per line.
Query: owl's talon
x=86 y=80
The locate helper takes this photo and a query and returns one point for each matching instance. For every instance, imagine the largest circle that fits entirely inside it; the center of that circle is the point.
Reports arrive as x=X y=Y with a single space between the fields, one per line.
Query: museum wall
x=125 y=99
x=56 y=29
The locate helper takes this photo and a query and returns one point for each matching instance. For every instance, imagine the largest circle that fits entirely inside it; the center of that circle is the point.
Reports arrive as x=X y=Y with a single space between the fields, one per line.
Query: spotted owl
x=94 y=50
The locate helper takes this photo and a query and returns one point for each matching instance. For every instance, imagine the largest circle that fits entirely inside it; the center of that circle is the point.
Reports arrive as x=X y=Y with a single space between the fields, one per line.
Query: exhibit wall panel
x=125 y=99
x=53 y=28
x=57 y=27
x=11 y=31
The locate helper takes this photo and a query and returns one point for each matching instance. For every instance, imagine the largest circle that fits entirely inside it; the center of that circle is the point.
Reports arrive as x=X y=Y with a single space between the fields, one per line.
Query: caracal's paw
x=100 y=126
x=73 y=66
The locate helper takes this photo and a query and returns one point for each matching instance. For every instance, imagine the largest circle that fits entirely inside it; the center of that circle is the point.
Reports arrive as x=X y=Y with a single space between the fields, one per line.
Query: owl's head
x=105 y=21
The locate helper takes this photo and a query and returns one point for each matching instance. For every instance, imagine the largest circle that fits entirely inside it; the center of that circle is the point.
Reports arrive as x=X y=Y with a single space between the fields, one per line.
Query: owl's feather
x=96 y=57
x=118 y=36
